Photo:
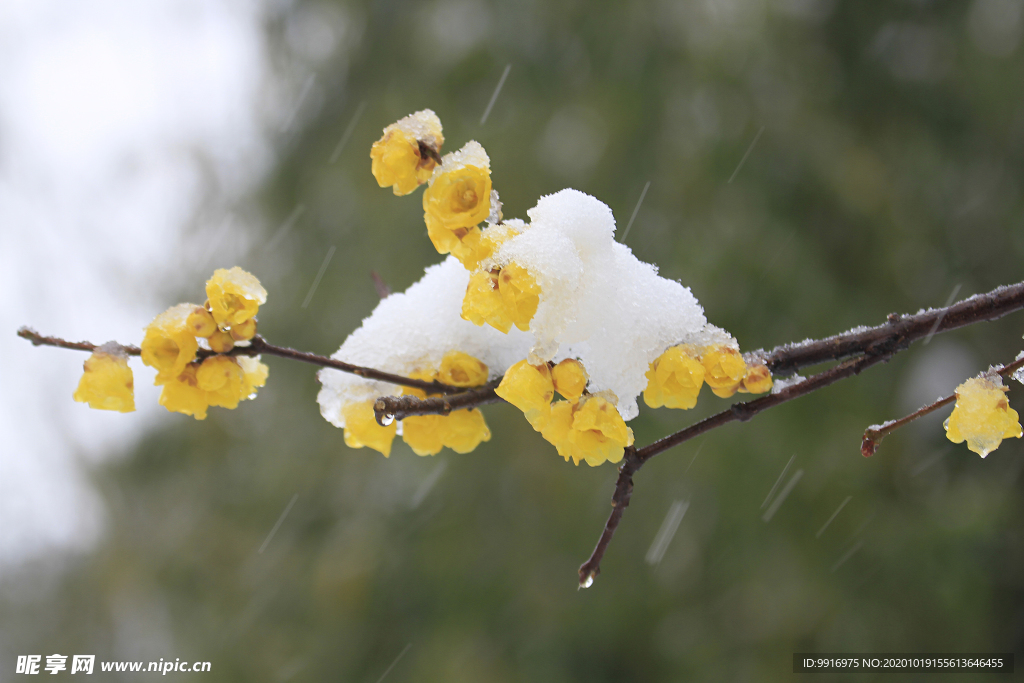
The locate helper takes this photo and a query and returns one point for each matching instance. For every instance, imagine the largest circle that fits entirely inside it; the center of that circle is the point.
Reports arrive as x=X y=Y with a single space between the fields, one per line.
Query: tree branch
x=258 y=346
x=874 y=434
x=895 y=334
x=738 y=412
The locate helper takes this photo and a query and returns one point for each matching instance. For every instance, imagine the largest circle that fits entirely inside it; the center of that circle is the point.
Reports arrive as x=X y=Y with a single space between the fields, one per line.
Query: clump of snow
x=1019 y=373
x=781 y=385
x=471 y=154
x=412 y=331
x=598 y=303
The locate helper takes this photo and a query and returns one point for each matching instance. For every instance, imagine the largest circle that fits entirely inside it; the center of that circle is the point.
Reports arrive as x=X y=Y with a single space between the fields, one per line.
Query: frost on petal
x=982 y=416
x=235 y=296
x=107 y=382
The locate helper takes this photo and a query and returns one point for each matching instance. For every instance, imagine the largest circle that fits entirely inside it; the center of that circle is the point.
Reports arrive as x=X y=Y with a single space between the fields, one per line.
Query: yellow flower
x=599 y=433
x=758 y=380
x=235 y=296
x=107 y=382
x=724 y=370
x=483 y=304
x=476 y=245
x=590 y=431
x=244 y=331
x=362 y=429
x=183 y=395
x=527 y=387
x=462 y=430
x=462 y=370
x=674 y=379
x=223 y=380
x=201 y=322
x=423 y=434
x=982 y=416
x=459 y=196
x=569 y=379
x=502 y=298
x=169 y=344
x=398 y=158
x=254 y=374
x=520 y=294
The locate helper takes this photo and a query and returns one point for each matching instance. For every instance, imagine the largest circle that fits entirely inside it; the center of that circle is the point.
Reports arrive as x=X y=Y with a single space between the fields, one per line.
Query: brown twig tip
x=383 y=291
x=874 y=434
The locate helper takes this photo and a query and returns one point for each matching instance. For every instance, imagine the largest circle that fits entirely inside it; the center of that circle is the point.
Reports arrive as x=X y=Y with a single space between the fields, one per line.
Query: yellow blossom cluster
x=675 y=378
x=584 y=427
x=461 y=430
x=457 y=200
x=982 y=416
x=171 y=346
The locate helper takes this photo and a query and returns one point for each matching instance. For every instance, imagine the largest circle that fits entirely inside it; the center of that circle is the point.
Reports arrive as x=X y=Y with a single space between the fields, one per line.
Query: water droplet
x=388 y=419
x=587 y=582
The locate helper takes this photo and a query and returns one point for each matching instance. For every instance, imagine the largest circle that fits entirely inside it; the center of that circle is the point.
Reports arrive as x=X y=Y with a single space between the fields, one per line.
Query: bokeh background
x=143 y=146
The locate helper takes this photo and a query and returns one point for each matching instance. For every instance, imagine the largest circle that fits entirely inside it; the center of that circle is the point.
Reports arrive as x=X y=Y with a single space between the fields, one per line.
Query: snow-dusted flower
x=674 y=379
x=169 y=344
x=502 y=298
x=459 y=197
x=107 y=382
x=398 y=160
x=221 y=381
x=235 y=296
x=982 y=415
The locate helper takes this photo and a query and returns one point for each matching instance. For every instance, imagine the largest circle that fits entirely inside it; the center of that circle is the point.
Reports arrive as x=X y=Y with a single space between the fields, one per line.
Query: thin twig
x=897 y=332
x=874 y=434
x=894 y=335
x=389 y=408
x=258 y=346
x=738 y=412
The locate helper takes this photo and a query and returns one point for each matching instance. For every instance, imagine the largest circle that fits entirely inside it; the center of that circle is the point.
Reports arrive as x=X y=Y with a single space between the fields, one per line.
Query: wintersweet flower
x=477 y=245
x=182 y=394
x=107 y=382
x=599 y=433
x=590 y=431
x=461 y=370
x=459 y=196
x=724 y=370
x=169 y=344
x=362 y=429
x=501 y=298
x=399 y=159
x=201 y=323
x=982 y=416
x=674 y=379
x=462 y=430
x=223 y=380
x=527 y=387
x=758 y=380
x=569 y=379
x=235 y=296
x=254 y=374
x=520 y=294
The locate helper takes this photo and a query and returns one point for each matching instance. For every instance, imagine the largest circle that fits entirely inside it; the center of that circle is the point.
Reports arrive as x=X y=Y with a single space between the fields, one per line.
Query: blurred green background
x=886 y=172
